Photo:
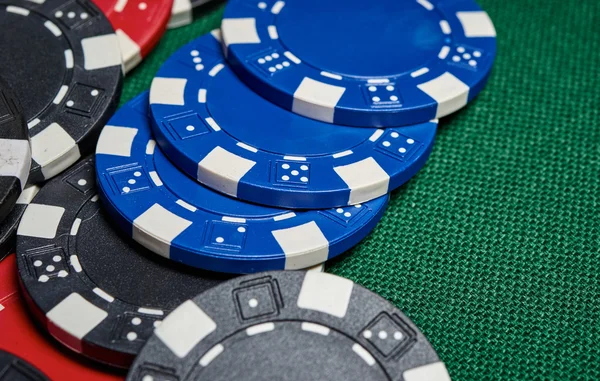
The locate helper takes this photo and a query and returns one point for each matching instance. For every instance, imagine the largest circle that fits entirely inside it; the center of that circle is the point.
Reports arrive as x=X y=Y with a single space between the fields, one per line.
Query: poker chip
x=139 y=25
x=178 y=218
x=232 y=140
x=15 y=368
x=24 y=340
x=183 y=12
x=8 y=227
x=62 y=60
x=306 y=326
x=15 y=154
x=379 y=63
x=77 y=271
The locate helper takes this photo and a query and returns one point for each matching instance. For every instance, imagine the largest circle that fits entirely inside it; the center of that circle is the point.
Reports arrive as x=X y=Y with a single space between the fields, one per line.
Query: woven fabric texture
x=493 y=249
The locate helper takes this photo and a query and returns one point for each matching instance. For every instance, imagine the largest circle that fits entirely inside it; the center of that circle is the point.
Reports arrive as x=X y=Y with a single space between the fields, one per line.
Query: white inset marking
x=377 y=81
x=362 y=352
x=315 y=328
x=185 y=205
x=426 y=4
x=150 y=311
x=75 y=263
x=330 y=75
x=273 y=32
x=376 y=135
x=284 y=216
x=17 y=10
x=260 y=328
x=234 y=219
x=215 y=70
x=342 y=154
x=53 y=28
x=104 y=295
x=69 y=59
x=155 y=178
x=33 y=123
x=292 y=58
x=202 y=96
x=445 y=27
x=120 y=5
x=444 y=52
x=211 y=122
x=294 y=158
x=277 y=7
x=210 y=355
x=75 y=226
x=61 y=94
x=247 y=147
x=419 y=72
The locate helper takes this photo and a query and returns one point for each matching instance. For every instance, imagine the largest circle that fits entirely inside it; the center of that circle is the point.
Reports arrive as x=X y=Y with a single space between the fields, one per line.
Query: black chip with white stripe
x=63 y=61
x=95 y=290
x=13 y=368
x=287 y=325
x=15 y=154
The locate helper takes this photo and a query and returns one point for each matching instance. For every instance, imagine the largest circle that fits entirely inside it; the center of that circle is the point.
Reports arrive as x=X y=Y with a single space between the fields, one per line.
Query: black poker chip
x=63 y=61
x=15 y=154
x=287 y=325
x=94 y=289
x=13 y=368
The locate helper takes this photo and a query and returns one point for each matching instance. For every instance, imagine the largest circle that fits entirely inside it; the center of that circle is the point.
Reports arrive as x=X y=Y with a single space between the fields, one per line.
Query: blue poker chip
x=220 y=132
x=171 y=214
x=362 y=63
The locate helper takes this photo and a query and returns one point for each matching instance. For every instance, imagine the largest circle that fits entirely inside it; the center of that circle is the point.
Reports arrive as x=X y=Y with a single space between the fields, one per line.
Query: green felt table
x=493 y=249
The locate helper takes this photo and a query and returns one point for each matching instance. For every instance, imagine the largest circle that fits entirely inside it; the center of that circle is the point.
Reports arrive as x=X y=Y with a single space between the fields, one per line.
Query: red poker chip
x=19 y=336
x=139 y=24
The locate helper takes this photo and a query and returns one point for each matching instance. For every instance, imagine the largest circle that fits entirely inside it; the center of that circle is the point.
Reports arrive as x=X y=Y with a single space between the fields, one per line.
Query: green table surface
x=493 y=249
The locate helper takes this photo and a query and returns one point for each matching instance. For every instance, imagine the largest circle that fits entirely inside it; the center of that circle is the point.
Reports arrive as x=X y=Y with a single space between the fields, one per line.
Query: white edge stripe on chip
x=260 y=328
x=120 y=5
x=211 y=355
x=362 y=352
x=104 y=295
x=284 y=216
x=150 y=311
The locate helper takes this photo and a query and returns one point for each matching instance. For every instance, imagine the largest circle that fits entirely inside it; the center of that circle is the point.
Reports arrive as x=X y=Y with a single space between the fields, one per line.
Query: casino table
x=493 y=249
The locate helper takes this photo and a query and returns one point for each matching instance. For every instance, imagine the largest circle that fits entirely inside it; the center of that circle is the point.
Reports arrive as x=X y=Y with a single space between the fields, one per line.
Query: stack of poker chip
x=269 y=145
